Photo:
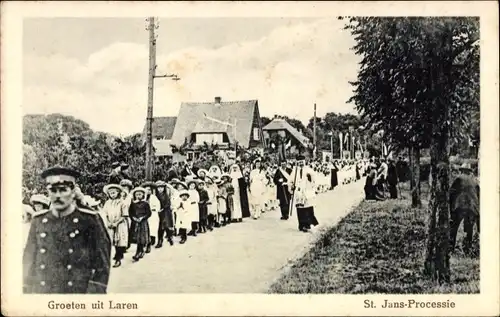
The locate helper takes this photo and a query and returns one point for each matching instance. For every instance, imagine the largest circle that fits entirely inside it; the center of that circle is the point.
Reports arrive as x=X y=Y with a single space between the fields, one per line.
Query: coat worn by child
x=140 y=212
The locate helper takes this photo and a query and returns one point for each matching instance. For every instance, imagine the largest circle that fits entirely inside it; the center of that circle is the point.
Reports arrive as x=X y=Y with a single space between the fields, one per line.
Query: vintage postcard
x=250 y=158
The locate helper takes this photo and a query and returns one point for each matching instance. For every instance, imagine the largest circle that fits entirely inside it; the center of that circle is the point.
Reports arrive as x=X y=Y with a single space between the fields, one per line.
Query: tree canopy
x=399 y=61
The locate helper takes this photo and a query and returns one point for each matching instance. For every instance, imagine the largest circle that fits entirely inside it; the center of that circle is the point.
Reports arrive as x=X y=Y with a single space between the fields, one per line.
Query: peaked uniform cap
x=58 y=171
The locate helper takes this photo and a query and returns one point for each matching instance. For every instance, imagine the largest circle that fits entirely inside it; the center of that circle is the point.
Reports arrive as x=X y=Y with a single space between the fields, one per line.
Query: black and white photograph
x=338 y=154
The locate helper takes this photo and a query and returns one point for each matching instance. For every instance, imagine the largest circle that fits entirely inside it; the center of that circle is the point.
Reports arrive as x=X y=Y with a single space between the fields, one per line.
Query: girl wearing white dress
x=212 y=202
x=154 y=220
x=180 y=207
x=116 y=212
x=193 y=210
x=258 y=183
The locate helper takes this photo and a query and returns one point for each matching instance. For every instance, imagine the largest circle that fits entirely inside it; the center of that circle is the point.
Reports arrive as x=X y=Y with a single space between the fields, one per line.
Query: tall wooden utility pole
x=151 y=79
x=314 y=133
x=151 y=27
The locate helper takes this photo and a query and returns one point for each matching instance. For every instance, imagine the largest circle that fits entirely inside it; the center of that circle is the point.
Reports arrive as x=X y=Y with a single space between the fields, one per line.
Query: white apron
x=154 y=220
x=193 y=210
x=212 y=195
x=237 y=213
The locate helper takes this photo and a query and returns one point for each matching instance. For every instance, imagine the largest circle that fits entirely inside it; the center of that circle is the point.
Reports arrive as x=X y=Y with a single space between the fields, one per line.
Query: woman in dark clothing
x=371 y=191
x=165 y=214
x=334 y=181
x=139 y=212
x=358 y=169
x=392 y=179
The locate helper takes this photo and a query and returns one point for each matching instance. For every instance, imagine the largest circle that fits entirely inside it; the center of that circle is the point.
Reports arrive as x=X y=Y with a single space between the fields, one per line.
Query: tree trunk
x=437 y=262
x=415 y=176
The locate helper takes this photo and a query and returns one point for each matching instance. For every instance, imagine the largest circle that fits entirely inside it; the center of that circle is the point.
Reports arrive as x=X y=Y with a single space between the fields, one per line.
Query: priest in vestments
x=243 y=189
x=240 y=189
x=302 y=186
x=282 y=193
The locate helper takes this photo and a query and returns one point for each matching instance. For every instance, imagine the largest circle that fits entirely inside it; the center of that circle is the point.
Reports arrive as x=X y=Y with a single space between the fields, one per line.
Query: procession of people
x=191 y=202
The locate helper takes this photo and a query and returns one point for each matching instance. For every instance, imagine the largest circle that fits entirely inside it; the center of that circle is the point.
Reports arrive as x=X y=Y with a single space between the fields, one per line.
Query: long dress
x=193 y=210
x=304 y=196
x=141 y=232
x=212 y=200
x=244 y=201
x=257 y=191
x=117 y=213
x=154 y=220
x=236 y=182
x=281 y=180
x=203 y=207
x=222 y=200
x=181 y=212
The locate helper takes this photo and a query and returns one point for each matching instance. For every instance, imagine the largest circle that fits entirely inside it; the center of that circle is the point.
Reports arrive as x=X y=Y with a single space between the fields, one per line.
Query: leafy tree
x=417 y=78
x=264 y=121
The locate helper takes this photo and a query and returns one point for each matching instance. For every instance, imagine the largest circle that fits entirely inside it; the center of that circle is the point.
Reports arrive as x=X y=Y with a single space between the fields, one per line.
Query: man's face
x=61 y=196
x=301 y=163
x=184 y=197
x=202 y=174
x=257 y=165
x=161 y=189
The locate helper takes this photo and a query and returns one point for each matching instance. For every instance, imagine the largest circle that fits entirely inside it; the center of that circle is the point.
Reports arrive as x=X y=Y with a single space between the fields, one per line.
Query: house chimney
x=217 y=100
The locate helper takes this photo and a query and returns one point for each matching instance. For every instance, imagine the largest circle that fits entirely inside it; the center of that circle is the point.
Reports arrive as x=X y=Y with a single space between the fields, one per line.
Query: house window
x=190 y=156
x=256 y=134
x=215 y=138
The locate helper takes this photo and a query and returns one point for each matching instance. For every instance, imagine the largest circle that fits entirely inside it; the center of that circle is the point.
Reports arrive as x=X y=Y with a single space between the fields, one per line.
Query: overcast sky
x=96 y=69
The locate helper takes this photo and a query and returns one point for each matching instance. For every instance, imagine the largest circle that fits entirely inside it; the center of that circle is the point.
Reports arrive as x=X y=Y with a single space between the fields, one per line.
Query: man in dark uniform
x=68 y=249
x=282 y=193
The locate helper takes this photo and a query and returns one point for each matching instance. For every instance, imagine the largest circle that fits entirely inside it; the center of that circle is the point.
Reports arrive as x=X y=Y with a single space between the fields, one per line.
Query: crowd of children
x=193 y=202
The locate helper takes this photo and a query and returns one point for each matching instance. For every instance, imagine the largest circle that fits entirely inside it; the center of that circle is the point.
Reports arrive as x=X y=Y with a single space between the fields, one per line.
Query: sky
x=96 y=69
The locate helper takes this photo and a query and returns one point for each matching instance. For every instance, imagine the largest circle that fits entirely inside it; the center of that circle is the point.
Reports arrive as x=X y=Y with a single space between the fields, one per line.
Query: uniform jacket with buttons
x=67 y=254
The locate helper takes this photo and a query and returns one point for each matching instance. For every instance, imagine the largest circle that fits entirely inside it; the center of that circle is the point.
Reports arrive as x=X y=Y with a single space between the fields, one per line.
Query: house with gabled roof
x=162 y=131
x=295 y=140
x=219 y=122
